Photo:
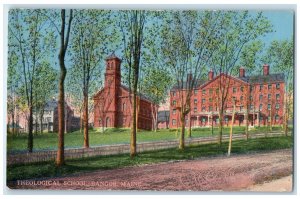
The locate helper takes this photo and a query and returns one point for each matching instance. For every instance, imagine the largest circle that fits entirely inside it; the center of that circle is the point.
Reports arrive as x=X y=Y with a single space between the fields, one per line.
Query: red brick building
x=265 y=94
x=112 y=107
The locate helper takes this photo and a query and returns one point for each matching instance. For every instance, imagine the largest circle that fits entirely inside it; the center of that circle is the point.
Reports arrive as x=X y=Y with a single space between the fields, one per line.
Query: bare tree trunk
x=133 y=129
x=190 y=126
x=220 y=128
x=30 y=129
x=86 y=121
x=60 y=159
x=230 y=135
x=181 y=140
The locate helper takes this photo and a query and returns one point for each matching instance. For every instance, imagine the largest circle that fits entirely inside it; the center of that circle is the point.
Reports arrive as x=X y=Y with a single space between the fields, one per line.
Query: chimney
x=266 y=68
x=210 y=75
x=242 y=72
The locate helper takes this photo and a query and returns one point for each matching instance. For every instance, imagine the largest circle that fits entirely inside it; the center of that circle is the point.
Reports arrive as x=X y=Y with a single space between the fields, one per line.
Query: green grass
x=48 y=141
x=48 y=169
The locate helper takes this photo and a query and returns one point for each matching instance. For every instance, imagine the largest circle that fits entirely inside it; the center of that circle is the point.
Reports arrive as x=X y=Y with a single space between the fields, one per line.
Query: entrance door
x=107 y=122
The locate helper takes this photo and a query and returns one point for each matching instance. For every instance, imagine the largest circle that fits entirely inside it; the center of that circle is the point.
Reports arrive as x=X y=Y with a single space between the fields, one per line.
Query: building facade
x=49 y=122
x=261 y=97
x=112 y=103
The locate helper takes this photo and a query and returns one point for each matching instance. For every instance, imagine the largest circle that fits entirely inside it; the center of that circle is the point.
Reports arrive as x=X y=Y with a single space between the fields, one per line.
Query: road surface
x=239 y=172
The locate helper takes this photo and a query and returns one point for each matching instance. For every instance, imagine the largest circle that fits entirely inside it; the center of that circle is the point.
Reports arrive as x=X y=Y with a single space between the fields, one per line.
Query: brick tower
x=112 y=84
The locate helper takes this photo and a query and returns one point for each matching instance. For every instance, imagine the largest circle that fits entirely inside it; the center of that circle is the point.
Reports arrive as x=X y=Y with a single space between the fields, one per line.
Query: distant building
x=112 y=106
x=265 y=93
x=50 y=119
x=163 y=119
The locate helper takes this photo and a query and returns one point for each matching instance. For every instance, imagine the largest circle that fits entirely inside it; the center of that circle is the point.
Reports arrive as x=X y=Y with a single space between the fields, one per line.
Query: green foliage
x=48 y=169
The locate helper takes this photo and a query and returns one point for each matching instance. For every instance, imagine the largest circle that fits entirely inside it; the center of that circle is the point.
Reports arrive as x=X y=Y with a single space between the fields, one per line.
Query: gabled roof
x=279 y=77
x=142 y=96
x=223 y=74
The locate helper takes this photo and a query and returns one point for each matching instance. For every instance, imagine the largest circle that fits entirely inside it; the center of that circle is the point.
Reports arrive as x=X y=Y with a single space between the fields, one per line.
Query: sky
x=283 y=23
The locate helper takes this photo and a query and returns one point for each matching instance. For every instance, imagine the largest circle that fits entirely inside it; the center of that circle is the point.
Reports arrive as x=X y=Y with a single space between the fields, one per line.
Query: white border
x=118 y=4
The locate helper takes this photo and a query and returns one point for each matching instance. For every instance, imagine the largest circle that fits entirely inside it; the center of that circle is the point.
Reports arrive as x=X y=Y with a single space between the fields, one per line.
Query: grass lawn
x=48 y=141
x=48 y=169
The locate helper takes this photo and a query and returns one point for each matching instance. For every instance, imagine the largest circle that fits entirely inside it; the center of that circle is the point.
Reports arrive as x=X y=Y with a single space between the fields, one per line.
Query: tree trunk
x=220 y=128
x=41 y=122
x=133 y=129
x=61 y=98
x=30 y=129
x=181 y=140
x=190 y=127
x=230 y=135
x=86 y=121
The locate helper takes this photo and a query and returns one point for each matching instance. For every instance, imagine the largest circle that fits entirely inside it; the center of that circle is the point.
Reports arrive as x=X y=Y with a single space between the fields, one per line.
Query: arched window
x=124 y=106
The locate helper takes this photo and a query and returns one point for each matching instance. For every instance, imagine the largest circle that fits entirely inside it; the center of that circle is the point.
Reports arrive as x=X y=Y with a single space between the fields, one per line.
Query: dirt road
x=238 y=172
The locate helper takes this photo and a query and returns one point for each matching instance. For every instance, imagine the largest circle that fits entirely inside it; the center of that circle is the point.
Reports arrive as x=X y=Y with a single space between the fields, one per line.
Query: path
x=220 y=173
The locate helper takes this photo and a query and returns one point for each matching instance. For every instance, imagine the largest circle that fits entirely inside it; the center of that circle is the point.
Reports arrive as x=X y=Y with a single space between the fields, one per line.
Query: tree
x=64 y=41
x=231 y=127
x=132 y=25
x=91 y=40
x=156 y=84
x=250 y=59
x=235 y=30
x=27 y=38
x=280 y=56
x=186 y=38
x=45 y=88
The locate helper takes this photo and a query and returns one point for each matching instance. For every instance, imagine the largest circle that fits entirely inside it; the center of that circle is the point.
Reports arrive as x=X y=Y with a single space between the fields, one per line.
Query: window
x=251 y=98
x=233 y=98
x=173 y=93
x=210 y=99
x=261 y=118
x=277 y=96
x=269 y=118
x=241 y=108
x=217 y=91
x=277 y=85
x=226 y=119
x=124 y=106
x=276 y=117
x=203 y=119
x=174 y=111
x=242 y=89
x=174 y=102
x=203 y=101
x=195 y=101
x=269 y=96
x=196 y=91
x=251 y=107
x=277 y=106
x=234 y=89
x=260 y=107
x=260 y=97
x=269 y=86
x=195 y=110
x=203 y=108
x=173 y=122
x=241 y=98
x=261 y=87
x=210 y=91
x=269 y=106
x=210 y=108
x=203 y=92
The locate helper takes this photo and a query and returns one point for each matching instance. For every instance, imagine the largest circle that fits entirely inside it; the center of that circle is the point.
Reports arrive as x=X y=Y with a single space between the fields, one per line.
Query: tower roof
x=113 y=56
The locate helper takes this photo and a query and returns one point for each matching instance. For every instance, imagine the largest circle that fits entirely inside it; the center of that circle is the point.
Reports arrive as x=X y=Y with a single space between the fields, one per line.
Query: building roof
x=142 y=96
x=113 y=56
x=197 y=84
x=279 y=77
x=271 y=78
x=52 y=104
x=163 y=116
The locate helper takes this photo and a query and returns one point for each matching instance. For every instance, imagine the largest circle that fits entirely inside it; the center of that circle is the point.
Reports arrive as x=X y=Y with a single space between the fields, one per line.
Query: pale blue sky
x=283 y=25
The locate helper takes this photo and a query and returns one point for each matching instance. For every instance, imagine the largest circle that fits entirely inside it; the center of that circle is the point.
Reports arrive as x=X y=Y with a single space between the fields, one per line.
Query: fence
x=41 y=156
